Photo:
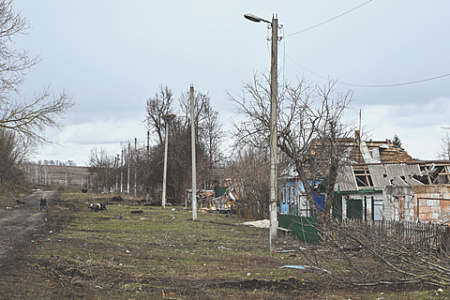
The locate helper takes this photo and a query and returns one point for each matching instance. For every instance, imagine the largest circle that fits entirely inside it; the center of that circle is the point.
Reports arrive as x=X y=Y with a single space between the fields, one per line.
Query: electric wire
x=372 y=85
x=327 y=21
x=283 y=36
x=396 y=84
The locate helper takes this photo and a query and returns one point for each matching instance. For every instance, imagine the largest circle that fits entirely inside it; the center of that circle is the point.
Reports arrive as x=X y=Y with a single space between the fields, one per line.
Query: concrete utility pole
x=273 y=211
x=129 y=166
x=167 y=118
x=135 y=166
x=194 y=171
x=117 y=172
x=121 y=173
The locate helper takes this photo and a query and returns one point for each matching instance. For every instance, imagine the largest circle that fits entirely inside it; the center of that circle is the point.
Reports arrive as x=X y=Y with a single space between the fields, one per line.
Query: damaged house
x=378 y=181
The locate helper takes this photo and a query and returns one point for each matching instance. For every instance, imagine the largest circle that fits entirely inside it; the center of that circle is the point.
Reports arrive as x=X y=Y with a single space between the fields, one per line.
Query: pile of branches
x=362 y=254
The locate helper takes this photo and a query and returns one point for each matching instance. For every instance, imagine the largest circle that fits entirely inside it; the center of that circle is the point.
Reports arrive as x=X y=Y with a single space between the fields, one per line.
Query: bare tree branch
x=27 y=118
x=309 y=126
x=157 y=106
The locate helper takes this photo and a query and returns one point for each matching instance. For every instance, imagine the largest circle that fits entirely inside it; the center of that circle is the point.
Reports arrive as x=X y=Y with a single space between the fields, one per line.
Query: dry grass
x=159 y=253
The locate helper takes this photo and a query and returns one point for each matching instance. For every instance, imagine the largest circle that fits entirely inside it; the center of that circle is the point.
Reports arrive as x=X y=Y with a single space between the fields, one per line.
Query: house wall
x=304 y=209
x=388 y=208
x=434 y=203
x=291 y=198
x=398 y=203
x=290 y=202
x=424 y=203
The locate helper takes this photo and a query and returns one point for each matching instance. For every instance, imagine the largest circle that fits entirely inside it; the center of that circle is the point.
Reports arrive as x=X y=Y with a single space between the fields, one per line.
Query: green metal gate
x=354 y=209
x=303 y=228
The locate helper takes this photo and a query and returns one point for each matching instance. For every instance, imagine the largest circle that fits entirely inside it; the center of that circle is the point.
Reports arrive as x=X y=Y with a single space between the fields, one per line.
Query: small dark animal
x=20 y=202
x=84 y=190
x=43 y=204
x=97 y=206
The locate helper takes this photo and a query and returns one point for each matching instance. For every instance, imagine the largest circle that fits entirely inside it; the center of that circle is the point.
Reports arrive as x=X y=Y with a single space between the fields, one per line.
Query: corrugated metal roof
x=346 y=180
x=413 y=181
x=398 y=181
x=394 y=174
x=288 y=173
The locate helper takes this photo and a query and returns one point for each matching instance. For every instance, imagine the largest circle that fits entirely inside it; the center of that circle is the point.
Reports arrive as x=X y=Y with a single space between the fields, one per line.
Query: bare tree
x=27 y=117
x=10 y=156
x=30 y=119
x=209 y=132
x=250 y=174
x=445 y=146
x=102 y=168
x=201 y=101
x=208 y=135
x=309 y=129
x=157 y=106
x=213 y=136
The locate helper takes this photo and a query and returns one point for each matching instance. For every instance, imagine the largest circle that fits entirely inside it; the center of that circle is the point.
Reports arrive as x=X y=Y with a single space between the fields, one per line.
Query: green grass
x=97 y=250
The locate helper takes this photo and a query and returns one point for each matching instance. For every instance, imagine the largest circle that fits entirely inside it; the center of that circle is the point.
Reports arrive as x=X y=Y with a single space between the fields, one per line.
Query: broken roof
x=377 y=164
x=356 y=151
x=394 y=174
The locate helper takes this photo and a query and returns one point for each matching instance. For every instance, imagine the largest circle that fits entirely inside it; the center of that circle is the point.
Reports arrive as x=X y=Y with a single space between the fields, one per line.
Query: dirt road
x=19 y=222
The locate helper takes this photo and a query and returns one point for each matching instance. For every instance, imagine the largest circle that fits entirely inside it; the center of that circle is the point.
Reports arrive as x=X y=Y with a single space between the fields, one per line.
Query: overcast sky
x=111 y=56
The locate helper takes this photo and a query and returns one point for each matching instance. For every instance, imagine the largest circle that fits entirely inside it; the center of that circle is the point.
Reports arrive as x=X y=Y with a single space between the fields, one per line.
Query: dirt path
x=18 y=223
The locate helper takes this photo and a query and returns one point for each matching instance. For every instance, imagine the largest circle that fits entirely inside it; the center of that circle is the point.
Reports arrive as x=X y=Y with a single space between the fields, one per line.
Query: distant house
x=378 y=181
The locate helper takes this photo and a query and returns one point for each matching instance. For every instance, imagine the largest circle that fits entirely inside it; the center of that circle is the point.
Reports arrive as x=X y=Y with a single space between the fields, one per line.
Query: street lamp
x=167 y=118
x=256 y=19
x=273 y=126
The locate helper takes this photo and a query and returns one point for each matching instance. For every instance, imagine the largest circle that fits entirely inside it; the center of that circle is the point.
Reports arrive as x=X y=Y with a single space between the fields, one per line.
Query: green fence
x=303 y=228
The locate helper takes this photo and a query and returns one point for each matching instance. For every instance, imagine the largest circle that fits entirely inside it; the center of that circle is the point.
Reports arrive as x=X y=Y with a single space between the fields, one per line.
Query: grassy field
x=123 y=253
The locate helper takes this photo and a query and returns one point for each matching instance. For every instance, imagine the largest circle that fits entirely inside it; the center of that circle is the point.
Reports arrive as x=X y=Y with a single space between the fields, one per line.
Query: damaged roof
x=346 y=180
x=394 y=174
x=378 y=164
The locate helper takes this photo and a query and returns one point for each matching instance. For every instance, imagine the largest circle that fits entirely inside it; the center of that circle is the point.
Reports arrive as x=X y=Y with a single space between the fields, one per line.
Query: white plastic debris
x=259 y=224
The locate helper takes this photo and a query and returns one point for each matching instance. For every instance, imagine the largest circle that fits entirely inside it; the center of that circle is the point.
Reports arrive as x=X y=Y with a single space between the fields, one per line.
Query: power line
x=327 y=21
x=397 y=84
x=373 y=85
